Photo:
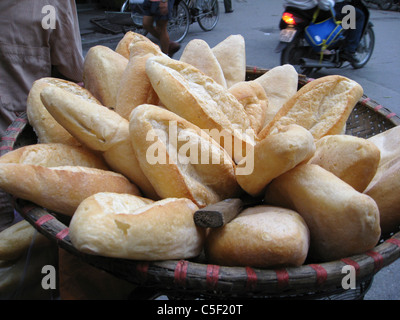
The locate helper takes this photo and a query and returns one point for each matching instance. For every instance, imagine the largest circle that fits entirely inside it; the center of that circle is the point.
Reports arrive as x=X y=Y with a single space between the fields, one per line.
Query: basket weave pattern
x=196 y=278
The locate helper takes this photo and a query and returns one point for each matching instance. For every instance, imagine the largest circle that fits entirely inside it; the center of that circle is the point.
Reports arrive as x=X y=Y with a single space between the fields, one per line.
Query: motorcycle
x=295 y=49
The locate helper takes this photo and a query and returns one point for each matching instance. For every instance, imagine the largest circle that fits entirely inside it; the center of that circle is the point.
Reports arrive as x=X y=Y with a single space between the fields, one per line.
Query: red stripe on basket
x=180 y=273
x=378 y=259
x=13 y=129
x=143 y=268
x=283 y=278
x=8 y=139
x=21 y=119
x=364 y=101
x=322 y=274
x=62 y=234
x=6 y=148
x=212 y=276
x=255 y=69
x=310 y=79
x=42 y=220
x=390 y=115
x=378 y=107
x=352 y=263
x=251 y=283
x=394 y=241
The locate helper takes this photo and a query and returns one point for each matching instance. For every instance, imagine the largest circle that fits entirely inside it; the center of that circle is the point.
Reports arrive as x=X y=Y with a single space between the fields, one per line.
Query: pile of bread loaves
x=148 y=140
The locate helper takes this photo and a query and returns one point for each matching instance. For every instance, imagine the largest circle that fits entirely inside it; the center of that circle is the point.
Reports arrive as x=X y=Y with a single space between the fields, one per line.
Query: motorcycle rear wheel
x=365 y=48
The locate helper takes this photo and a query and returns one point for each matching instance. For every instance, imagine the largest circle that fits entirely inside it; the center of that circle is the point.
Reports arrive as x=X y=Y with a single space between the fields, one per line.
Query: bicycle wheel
x=178 y=25
x=209 y=15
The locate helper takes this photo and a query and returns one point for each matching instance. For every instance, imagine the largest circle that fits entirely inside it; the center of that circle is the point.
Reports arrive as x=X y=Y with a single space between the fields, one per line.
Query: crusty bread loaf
x=388 y=144
x=254 y=100
x=280 y=84
x=385 y=190
x=321 y=106
x=260 y=236
x=191 y=94
x=99 y=129
x=180 y=159
x=231 y=55
x=129 y=37
x=129 y=227
x=342 y=221
x=102 y=73
x=198 y=53
x=54 y=155
x=135 y=87
x=16 y=239
x=385 y=186
x=352 y=159
x=273 y=156
x=63 y=188
x=47 y=129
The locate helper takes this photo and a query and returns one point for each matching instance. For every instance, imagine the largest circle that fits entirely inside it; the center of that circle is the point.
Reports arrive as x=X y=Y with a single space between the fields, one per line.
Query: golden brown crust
x=133 y=228
x=321 y=106
x=60 y=189
x=342 y=221
x=261 y=236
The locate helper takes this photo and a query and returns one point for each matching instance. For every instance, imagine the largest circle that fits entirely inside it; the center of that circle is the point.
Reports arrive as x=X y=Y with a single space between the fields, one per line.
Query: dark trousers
x=228 y=5
x=353 y=36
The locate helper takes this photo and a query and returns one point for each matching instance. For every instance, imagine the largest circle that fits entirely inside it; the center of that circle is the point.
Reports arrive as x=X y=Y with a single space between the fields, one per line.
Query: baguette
x=321 y=106
x=186 y=91
x=231 y=55
x=102 y=73
x=341 y=220
x=198 y=53
x=55 y=155
x=352 y=159
x=169 y=148
x=273 y=156
x=100 y=129
x=47 y=129
x=130 y=37
x=135 y=87
x=60 y=189
x=130 y=227
x=260 y=236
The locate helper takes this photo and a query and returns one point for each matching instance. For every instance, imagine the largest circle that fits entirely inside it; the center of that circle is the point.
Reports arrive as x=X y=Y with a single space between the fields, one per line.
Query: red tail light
x=288 y=18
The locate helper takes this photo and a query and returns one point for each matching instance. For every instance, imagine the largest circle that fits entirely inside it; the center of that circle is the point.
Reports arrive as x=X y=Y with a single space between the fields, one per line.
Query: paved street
x=257 y=21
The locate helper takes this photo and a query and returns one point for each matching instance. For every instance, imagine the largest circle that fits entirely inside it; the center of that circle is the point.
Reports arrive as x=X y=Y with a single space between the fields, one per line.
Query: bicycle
x=185 y=12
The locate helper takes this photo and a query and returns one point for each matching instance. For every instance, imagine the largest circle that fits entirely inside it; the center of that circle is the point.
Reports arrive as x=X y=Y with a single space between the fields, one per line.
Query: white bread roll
x=129 y=37
x=47 y=129
x=254 y=100
x=102 y=73
x=231 y=55
x=342 y=221
x=261 y=236
x=135 y=87
x=385 y=190
x=280 y=84
x=321 y=106
x=15 y=240
x=273 y=156
x=384 y=187
x=62 y=188
x=352 y=159
x=189 y=93
x=54 y=155
x=198 y=53
x=179 y=159
x=129 y=227
x=99 y=129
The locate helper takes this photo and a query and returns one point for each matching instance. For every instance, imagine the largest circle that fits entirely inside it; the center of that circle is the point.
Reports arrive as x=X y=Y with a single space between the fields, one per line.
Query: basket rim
x=194 y=276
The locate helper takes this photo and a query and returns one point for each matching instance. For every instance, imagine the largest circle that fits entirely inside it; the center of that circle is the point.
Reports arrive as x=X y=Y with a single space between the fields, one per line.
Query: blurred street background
x=257 y=21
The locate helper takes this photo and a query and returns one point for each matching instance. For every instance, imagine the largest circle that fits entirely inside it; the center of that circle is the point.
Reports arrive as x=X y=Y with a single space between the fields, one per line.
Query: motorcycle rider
x=353 y=36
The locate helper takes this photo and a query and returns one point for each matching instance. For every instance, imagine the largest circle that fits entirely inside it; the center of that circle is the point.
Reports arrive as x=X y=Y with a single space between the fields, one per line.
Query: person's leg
x=228 y=6
x=163 y=36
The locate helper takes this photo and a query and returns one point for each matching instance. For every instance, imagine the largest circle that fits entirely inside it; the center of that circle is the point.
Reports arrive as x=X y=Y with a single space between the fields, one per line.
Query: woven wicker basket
x=197 y=279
